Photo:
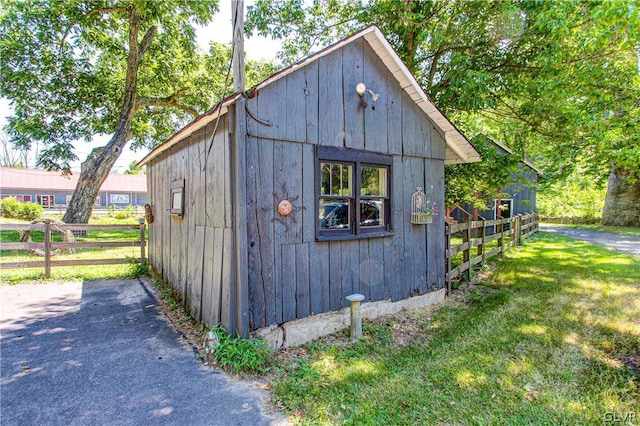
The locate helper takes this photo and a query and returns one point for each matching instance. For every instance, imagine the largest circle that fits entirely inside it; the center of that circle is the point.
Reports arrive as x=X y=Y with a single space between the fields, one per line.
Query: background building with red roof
x=52 y=189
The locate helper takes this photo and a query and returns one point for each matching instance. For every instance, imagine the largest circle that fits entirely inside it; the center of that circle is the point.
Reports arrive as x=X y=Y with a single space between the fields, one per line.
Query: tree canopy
x=65 y=65
x=131 y=69
x=557 y=81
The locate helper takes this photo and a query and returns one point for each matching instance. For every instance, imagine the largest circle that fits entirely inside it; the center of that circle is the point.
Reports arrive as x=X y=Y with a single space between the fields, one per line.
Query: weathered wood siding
x=194 y=253
x=291 y=275
x=523 y=192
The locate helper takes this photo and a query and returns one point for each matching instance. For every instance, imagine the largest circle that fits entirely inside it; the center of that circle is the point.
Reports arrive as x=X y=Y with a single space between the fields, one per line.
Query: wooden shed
x=279 y=202
x=519 y=196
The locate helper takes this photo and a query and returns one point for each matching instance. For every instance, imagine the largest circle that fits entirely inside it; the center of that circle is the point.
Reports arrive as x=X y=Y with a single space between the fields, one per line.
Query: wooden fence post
x=501 y=229
x=47 y=249
x=481 y=236
x=518 y=231
x=142 y=241
x=466 y=254
x=447 y=246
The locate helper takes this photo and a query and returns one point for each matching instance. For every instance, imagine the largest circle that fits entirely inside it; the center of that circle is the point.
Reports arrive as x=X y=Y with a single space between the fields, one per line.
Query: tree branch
x=535 y=127
x=146 y=41
x=320 y=33
x=432 y=70
x=169 y=101
x=76 y=22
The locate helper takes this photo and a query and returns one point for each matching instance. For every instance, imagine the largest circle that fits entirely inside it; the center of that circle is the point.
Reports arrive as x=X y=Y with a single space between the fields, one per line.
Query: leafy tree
x=10 y=156
x=128 y=68
x=555 y=80
x=133 y=169
x=479 y=184
x=77 y=68
x=572 y=196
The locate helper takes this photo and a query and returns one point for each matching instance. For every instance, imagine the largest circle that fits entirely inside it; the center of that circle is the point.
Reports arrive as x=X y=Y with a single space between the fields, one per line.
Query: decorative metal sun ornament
x=284 y=206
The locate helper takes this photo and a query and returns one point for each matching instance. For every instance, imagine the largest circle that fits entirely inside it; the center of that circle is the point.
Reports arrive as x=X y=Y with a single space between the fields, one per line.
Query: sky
x=219 y=30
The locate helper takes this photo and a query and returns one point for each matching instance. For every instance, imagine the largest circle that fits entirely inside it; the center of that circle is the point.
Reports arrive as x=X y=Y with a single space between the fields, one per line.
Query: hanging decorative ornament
x=285 y=208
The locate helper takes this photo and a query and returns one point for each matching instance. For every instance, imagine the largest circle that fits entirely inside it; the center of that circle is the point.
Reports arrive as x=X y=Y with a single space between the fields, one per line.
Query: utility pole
x=238 y=152
x=237 y=16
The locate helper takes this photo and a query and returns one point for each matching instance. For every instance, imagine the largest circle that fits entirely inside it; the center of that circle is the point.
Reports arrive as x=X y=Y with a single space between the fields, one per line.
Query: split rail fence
x=474 y=235
x=49 y=246
x=506 y=232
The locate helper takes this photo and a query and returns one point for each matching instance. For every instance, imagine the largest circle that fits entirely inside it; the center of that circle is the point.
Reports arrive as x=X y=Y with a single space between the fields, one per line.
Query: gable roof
x=36 y=179
x=459 y=149
x=509 y=151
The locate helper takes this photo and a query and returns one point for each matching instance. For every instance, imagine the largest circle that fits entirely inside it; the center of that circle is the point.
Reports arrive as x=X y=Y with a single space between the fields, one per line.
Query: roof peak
x=454 y=139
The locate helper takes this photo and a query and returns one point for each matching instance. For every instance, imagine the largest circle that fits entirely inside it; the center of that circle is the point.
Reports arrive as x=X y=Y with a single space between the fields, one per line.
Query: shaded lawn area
x=543 y=340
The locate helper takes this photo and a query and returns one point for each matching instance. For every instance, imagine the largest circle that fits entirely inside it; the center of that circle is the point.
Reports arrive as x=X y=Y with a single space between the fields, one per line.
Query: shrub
x=10 y=207
x=122 y=215
x=130 y=210
x=30 y=211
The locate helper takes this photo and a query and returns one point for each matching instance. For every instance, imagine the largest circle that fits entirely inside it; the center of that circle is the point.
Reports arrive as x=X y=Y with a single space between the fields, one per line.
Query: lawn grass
x=96 y=272
x=541 y=342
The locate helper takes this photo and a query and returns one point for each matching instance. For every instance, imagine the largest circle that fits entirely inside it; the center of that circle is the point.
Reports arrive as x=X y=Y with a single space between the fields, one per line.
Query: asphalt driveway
x=99 y=353
x=622 y=243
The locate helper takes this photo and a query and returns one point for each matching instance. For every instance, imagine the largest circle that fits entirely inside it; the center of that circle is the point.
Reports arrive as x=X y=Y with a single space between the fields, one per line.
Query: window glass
x=336 y=179
x=374 y=181
x=372 y=213
x=177 y=198
x=334 y=213
x=176 y=201
x=23 y=198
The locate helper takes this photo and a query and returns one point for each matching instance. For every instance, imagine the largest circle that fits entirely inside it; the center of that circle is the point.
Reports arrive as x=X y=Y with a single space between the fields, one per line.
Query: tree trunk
x=96 y=168
x=93 y=173
x=622 y=202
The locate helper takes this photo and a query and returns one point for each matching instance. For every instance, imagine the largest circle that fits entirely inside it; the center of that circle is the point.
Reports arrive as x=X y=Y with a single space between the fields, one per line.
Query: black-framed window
x=353 y=193
x=177 y=198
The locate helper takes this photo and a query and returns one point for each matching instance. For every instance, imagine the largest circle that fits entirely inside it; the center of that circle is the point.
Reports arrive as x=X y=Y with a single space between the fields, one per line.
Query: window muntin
x=337 y=197
x=353 y=193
